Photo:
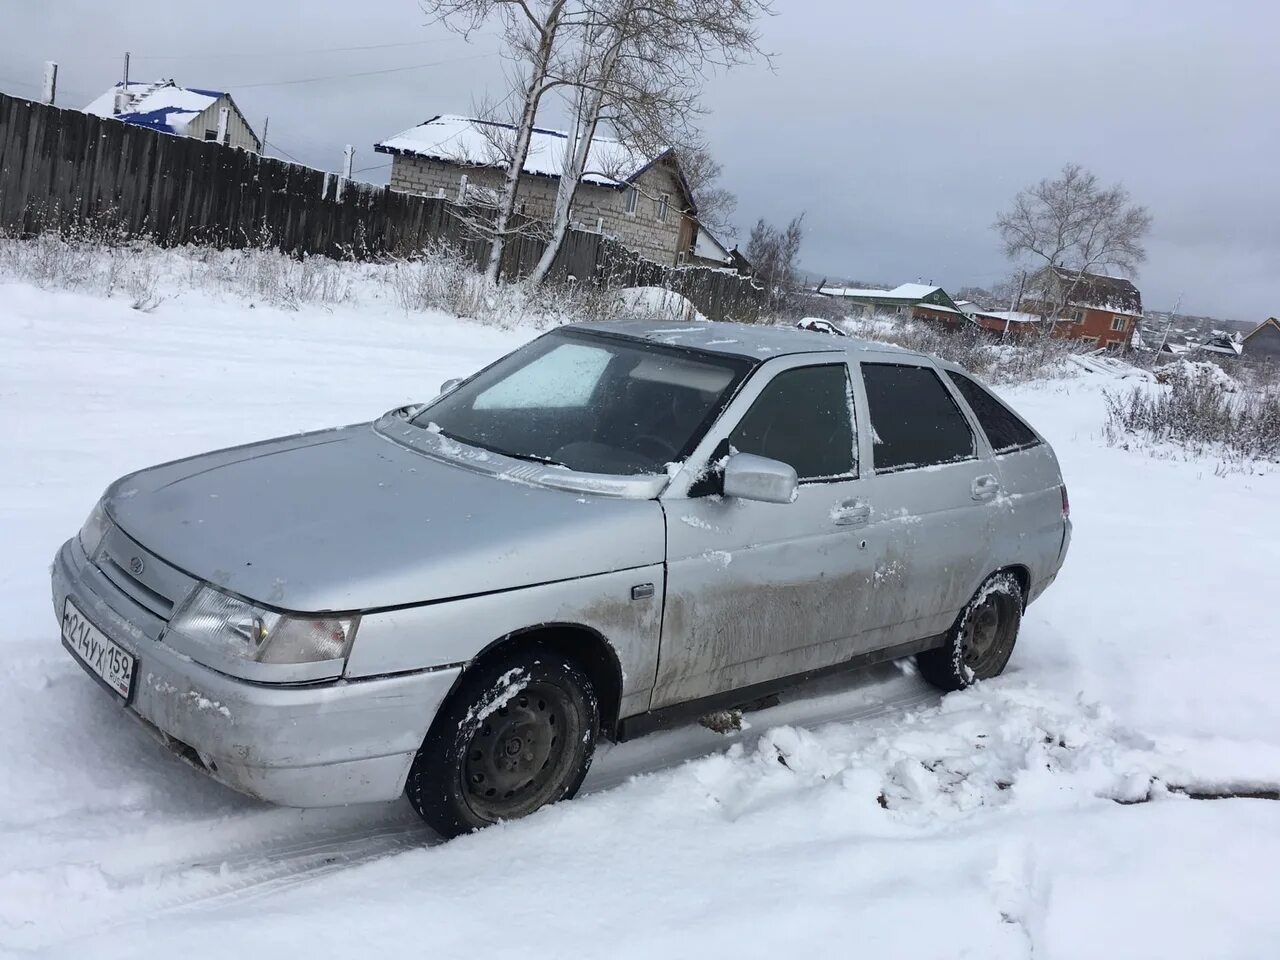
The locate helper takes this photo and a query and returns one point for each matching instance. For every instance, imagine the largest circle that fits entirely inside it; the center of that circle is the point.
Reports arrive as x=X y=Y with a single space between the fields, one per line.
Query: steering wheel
x=656 y=447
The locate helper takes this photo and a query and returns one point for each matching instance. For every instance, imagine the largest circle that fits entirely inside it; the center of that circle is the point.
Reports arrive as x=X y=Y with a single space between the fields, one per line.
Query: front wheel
x=980 y=643
x=518 y=734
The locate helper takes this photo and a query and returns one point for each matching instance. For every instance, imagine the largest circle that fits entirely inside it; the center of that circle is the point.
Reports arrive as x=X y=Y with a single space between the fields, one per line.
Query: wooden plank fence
x=63 y=169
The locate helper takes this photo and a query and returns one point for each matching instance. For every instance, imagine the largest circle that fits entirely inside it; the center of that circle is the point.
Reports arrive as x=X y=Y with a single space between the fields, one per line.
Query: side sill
x=629 y=728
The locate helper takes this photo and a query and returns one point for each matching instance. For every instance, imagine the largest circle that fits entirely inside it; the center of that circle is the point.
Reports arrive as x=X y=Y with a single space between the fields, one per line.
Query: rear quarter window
x=1004 y=429
x=915 y=421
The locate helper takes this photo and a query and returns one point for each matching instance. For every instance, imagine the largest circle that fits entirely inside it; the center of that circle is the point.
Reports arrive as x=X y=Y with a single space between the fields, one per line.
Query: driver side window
x=804 y=418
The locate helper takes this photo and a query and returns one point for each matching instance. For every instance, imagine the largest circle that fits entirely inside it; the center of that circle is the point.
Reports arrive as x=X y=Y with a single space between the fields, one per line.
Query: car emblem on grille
x=136 y=566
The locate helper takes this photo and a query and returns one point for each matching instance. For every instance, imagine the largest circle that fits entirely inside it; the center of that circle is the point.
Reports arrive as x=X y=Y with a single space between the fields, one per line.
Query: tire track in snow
x=264 y=870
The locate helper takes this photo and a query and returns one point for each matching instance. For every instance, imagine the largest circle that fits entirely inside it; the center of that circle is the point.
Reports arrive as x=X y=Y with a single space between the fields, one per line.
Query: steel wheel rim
x=985 y=634
x=521 y=754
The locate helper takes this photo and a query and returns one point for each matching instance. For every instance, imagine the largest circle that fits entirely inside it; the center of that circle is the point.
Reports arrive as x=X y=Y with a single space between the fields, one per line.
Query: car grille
x=135 y=589
x=140 y=575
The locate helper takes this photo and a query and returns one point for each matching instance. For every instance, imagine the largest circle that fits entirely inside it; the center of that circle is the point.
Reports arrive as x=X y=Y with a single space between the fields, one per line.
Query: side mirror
x=749 y=477
x=449 y=385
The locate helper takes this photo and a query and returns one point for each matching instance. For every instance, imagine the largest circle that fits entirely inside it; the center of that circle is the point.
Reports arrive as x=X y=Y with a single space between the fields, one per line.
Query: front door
x=759 y=591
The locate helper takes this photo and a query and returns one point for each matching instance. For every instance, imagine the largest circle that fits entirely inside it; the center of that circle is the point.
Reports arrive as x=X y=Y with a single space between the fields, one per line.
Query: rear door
x=1031 y=530
x=933 y=493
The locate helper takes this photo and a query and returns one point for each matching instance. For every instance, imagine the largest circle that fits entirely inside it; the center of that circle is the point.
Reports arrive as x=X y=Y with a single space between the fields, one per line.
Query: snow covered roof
x=1117 y=294
x=161 y=105
x=1011 y=316
x=1269 y=322
x=707 y=247
x=903 y=291
x=1221 y=343
x=483 y=143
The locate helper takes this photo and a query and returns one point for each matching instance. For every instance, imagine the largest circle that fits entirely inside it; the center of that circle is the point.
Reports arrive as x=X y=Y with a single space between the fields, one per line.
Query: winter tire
x=980 y=643
x=516 y=735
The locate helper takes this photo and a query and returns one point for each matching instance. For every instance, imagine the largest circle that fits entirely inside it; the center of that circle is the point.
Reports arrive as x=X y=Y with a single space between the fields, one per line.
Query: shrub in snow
x=1201 y=413
x=1009 y=361
x=1191 y=371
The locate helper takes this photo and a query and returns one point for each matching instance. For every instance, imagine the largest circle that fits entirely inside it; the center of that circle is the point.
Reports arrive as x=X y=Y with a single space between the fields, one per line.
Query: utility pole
x=50 y=82
x=266 y=122
x=1014 y=304
x=122 y=95
x=1165 y=337
x=348 y=155
x=224 y=126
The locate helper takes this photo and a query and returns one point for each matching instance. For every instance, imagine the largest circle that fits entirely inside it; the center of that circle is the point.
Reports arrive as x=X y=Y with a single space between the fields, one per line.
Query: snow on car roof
x=756 y=341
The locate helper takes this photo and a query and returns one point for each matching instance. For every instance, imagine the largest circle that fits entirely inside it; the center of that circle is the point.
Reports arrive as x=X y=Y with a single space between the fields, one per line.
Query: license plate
x=104 y=658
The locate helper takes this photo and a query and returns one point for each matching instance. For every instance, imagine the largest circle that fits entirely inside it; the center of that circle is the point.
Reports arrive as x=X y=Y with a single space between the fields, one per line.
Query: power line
x=292 y=51
x=376 y=166
x=363 y=73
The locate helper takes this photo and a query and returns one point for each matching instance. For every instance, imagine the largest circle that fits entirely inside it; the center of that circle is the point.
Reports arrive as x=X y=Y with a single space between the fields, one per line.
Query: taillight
x=1066 y=503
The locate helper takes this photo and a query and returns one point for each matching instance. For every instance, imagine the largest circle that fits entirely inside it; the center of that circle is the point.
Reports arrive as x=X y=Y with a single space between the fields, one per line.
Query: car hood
x=346 y=519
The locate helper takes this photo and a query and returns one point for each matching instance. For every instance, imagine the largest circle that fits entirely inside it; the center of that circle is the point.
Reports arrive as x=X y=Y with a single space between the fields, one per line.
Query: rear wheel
x=982 y=639
x=518 y=734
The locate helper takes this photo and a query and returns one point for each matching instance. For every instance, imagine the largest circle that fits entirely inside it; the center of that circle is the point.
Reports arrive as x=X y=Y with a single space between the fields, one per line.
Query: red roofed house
x=1097 y=309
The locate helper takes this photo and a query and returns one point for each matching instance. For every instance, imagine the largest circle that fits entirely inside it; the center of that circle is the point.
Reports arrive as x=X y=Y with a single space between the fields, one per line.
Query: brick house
x=640 y=200
x=1263 y=341
x=164 y=106
x=1098 y=309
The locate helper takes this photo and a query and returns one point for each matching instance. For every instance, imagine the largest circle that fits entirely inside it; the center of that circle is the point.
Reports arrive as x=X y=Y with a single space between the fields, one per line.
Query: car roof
x=754 y=341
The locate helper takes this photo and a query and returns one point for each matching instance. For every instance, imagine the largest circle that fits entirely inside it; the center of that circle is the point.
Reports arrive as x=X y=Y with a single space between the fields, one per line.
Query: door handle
x=985 y=487
x=850 y=513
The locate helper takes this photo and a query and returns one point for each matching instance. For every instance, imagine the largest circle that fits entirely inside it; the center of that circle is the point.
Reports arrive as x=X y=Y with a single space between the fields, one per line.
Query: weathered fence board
x=60 y=169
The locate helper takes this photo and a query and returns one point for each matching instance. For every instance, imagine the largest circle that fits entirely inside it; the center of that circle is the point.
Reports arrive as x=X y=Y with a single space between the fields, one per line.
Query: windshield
x=592 y=402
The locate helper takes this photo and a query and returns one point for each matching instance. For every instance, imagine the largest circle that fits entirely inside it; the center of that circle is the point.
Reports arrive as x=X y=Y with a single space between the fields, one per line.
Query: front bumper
x=307 y=746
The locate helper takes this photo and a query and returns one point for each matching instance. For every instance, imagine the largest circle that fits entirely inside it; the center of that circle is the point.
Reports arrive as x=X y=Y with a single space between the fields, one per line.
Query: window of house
x=210 y=135
x=1119 y=323
x=633 y=199
x=803 y=418
x=1004 y=430
x=664 y=203
x=915 y=422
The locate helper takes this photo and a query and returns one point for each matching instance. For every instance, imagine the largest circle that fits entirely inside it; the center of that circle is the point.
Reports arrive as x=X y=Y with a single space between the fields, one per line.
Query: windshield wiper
x=533 y=457
x=528 y=456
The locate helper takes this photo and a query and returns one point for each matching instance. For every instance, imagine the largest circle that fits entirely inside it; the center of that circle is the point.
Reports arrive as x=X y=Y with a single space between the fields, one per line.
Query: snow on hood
x=345 y=520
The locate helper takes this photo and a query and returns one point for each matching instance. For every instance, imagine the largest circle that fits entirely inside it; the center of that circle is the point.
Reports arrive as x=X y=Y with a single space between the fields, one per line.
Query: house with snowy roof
x=1263 y=341
x=638 y=197
x=1096 y=309
x=923 y=301
x=164 y=106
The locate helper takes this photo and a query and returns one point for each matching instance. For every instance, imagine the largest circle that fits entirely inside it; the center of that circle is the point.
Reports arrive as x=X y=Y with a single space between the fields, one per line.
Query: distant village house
x=1263 y=341
x=922 y=301
x=1097 y=309
x=641 y=200
x=182 y=111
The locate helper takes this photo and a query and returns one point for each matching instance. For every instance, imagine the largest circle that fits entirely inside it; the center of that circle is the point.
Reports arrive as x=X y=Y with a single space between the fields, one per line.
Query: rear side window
x=1001 y=425
x=915 y=422
x=803 y=419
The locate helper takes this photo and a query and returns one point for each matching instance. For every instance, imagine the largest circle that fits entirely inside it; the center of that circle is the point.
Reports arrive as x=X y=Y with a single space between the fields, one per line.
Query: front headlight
x=94 y=529
x=230 y=626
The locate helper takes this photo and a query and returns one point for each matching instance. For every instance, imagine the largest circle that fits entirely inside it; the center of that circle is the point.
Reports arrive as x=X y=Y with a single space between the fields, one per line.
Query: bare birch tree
x=640 y=65
x=530 y=31
x=1075 y=225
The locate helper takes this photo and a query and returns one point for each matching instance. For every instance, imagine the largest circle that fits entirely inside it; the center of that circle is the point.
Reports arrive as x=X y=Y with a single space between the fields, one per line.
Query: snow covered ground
x=1044 y=814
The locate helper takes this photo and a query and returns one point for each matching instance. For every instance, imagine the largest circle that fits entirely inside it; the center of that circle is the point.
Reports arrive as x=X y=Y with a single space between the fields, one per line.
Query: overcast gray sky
x=899 y=128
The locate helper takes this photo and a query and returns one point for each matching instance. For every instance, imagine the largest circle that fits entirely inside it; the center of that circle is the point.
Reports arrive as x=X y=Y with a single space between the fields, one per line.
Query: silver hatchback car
x=615 y=527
